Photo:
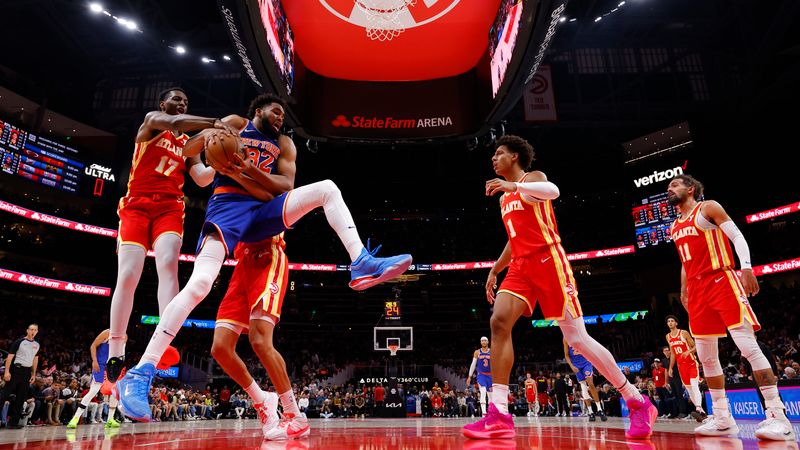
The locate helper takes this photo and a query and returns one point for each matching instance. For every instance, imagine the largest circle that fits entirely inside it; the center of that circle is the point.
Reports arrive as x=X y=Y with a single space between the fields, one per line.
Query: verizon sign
x=764 y=215
x=659 y=176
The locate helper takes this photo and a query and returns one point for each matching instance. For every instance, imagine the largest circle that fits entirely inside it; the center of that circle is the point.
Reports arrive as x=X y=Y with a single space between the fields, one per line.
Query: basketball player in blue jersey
x=99 y=352
x=254 y=199
x=482 y=360
x=585 y=373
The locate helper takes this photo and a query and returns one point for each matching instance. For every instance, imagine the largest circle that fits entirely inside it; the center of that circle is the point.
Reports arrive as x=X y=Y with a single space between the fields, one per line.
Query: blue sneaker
x=367 y=270
x=133 y=391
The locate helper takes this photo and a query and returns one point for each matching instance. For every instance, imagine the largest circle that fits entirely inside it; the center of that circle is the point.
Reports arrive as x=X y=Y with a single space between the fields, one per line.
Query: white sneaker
x=290 y=427
x=775 y=428
x=718 y=426
x=268 y=413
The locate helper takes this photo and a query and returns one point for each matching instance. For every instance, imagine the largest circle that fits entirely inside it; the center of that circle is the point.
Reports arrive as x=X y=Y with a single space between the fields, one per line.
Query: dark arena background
x=400 y=103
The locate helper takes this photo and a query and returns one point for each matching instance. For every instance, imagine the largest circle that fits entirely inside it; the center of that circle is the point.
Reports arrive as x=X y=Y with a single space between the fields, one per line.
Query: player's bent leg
x=777 y=425
x=366 y=269
x=223 y=349
x=135 y=386
x=167 y=248
x=130 y=262
x=498 y=423
x=642 y=412
x=595 y=397
x=293 y=425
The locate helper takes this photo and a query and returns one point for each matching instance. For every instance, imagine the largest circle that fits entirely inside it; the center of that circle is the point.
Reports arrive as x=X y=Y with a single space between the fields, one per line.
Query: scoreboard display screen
x=44 y=161
x=652 y=219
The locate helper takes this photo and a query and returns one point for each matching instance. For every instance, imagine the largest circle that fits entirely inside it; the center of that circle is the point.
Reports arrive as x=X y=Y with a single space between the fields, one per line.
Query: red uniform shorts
x=530 y=397
x=259 y=281
x=544 y=399
x=688 y=372
x=545 y=277
x=142 y=220
x=717 y=302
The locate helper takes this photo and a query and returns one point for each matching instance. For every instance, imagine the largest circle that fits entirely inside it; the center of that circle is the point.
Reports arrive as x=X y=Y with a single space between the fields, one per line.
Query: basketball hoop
x=393 y=349
x=383 y=17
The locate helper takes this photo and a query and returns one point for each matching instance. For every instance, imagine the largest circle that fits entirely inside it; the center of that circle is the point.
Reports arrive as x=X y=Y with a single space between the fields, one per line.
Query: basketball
x=222 y=148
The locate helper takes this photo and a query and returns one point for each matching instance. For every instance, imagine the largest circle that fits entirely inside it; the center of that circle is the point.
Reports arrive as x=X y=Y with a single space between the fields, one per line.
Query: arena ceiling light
x=96 y=8
x=179 y=49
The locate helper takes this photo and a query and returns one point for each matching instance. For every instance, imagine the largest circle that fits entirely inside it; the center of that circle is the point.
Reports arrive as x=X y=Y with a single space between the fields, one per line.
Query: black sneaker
x=699 y=416
x=603 y=416
x=114 y=368
x=592 y=417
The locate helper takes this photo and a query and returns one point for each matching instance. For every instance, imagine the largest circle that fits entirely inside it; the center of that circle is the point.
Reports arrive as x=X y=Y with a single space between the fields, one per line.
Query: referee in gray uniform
x=20 y=373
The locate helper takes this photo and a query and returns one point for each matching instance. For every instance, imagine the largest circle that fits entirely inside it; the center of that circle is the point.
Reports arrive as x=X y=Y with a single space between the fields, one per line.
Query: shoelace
x=372 y=252
x=262 y=414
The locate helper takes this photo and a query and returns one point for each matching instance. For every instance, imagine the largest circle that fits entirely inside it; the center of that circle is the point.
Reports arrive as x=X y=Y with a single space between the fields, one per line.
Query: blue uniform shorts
x=241 y=218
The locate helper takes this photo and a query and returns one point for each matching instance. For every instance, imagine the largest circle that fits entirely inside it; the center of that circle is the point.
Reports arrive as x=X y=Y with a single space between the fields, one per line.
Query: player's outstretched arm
x=197 y=143
x=158 y=121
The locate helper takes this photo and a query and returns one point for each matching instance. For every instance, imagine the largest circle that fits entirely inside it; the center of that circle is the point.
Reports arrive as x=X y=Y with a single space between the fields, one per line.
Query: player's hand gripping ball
x=221 y=148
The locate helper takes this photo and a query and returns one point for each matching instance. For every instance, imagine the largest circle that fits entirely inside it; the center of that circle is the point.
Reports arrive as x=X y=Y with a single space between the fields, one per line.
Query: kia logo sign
x=341 y=121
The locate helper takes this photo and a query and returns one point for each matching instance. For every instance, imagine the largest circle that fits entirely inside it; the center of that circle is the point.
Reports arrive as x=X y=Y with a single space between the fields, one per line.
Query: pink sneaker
x=643 y=416
x=494 y=425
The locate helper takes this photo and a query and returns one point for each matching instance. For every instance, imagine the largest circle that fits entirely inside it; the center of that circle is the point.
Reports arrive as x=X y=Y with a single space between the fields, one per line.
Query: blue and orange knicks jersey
x=701 y=251
x=158 y=166
x=484 y=362
x=531 y=226
x=263 y=152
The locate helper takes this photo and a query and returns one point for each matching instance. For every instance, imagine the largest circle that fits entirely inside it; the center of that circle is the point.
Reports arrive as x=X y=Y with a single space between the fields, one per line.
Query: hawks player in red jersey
x=682 y=351
x=716 y=299
x=538 y=271
x=151 y=213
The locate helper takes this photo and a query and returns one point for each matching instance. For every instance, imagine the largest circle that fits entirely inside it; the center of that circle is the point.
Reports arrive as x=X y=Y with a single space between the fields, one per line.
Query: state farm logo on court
x=389 y=122
x=412 y=14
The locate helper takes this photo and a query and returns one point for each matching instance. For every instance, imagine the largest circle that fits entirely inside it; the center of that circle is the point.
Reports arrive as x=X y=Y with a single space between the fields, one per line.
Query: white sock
x=111 y=411
x=289 y=403
x=256 y=393
x=130 y=262
x=167 y=248
x=772 y=398
x=598 y=406
x=206 y=269
x=325 y=193
x=79 y=411
x=719 y=402
x=629 y=391
x=499 y=397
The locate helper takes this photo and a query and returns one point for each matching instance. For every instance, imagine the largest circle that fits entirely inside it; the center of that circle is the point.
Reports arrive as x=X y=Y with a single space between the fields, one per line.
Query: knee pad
x=746 y=341
x=708 y=354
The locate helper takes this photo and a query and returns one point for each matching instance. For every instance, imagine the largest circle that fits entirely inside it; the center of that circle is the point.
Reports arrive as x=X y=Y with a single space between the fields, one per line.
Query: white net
x=393 y=349
x=383 y=17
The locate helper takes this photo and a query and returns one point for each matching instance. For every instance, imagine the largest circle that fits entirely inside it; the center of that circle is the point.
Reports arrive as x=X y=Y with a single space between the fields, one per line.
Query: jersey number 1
x=162 y=166
x=511 y=231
